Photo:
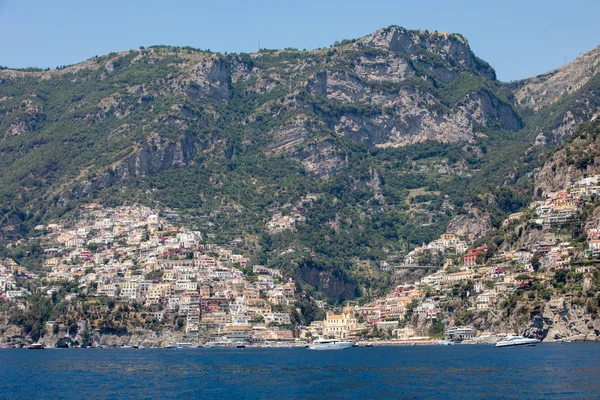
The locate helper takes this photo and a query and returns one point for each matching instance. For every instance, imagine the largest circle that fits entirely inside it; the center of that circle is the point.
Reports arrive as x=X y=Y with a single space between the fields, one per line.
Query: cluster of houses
x=280 y=222
x=9 y=285
x=561 y=207
x=134 y=255
x=447 y=242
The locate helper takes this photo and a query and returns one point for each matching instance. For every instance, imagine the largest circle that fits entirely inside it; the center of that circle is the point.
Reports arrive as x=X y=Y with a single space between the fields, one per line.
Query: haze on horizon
x=519 y=39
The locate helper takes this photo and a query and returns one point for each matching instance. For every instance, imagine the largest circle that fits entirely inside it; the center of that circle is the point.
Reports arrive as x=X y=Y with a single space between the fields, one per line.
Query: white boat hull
x=330 y=346
x=519 y=342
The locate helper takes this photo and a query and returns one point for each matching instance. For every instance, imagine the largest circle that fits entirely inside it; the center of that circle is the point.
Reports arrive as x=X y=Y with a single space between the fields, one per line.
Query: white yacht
x=329 y=344
x=516 y=341
x=211 y=345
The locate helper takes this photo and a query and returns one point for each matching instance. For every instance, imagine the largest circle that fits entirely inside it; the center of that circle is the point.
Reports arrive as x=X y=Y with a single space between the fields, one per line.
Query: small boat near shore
x=517 y=341
x=211 y=345
x=330 y=344
x=36 y=346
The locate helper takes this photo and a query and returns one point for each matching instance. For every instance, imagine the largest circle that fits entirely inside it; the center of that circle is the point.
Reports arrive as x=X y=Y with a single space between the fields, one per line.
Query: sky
x=518 y=38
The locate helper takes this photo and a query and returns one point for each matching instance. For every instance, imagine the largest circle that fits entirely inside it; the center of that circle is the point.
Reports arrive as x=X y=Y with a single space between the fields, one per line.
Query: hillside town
x=486 y=280
x=134 y=255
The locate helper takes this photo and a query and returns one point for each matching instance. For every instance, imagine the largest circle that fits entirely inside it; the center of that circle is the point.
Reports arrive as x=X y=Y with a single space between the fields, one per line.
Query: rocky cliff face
x=453 y=48
x=561 y=319
x=556 y=319
x=326 y=282
x=389 y=75
x=13 y=336
x=473 y=224
x=564 y=97
x=159 y=155
x=549 y=88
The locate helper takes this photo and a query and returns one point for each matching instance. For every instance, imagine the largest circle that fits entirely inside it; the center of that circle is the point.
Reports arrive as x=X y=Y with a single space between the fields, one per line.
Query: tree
x=535 y=263
x=437 y=329
x=92 y=247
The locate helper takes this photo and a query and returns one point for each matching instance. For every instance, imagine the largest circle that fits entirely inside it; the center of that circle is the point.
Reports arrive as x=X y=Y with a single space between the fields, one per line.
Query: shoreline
x=286 y=346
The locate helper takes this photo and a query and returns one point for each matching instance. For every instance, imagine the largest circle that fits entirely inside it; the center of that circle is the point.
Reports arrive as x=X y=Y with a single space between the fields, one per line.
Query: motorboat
x=36 y=346
x=183 y=345
x=444 y=343
x=211 y=345
x=330 y=344
x=517 y=341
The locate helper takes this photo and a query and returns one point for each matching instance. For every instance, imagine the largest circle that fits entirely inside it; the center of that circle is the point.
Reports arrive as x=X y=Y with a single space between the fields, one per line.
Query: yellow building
x=563 y=201
x=340 y=326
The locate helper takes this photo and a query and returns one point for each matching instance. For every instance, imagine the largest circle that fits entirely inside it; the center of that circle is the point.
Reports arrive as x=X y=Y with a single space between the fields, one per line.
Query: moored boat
x=36 y=346
x=211 y=345
x=329 y=344
x=517 y=341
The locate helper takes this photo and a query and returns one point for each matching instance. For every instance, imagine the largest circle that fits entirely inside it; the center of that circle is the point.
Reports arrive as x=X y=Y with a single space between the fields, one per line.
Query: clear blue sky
x=518 y=38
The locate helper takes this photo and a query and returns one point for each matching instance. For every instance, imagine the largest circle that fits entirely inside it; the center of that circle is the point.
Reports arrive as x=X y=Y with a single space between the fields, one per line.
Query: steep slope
x=69 y=132
x=558 y=101
x=577 y=158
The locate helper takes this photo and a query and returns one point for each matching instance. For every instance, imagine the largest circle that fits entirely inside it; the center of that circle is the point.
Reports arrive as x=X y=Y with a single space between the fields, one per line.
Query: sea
x=546 y=371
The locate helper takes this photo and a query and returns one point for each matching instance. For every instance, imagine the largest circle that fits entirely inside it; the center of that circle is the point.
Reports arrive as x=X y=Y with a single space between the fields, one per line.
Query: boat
x=183 y=345
x=369 y=345
x=517 y=341
x=211 y=345
x=240 y=346
x=444 y=343
x=36 y=346
x=329 y=344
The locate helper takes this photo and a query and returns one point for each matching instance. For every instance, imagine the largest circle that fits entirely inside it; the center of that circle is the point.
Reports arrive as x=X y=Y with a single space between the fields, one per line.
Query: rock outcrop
x=473 y=224
x=561 y=319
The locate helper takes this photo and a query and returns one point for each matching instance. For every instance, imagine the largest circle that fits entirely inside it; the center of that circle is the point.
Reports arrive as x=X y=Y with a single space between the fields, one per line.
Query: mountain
x=560 y=100
x=379 y=143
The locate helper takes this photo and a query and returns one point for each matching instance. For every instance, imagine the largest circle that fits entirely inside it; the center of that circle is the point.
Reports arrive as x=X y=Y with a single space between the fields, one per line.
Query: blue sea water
x=547 y=371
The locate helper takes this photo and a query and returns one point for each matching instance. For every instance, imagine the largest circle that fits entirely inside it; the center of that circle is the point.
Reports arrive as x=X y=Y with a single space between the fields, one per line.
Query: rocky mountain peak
x=450 y=48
